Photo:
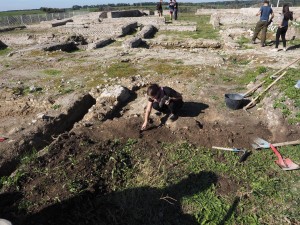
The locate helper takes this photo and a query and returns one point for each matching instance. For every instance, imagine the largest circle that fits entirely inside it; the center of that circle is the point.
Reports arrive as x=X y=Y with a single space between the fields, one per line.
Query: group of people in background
x=173 y=9
x=266 y=17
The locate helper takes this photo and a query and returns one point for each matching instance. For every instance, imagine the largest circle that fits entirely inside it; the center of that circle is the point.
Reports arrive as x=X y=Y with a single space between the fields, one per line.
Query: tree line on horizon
x=221 y=4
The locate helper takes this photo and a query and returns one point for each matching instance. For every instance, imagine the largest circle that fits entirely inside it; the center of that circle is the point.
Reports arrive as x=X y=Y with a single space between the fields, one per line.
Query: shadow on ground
x=144 y=205
x=9 y=204
x=231 y=211
x=192 y=109
x=293 y=47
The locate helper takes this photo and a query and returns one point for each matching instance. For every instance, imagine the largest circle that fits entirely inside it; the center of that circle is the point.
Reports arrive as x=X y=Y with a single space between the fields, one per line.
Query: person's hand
x=144 y=126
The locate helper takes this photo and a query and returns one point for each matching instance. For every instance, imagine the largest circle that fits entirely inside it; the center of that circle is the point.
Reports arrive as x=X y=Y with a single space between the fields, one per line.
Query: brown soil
x=85 y=157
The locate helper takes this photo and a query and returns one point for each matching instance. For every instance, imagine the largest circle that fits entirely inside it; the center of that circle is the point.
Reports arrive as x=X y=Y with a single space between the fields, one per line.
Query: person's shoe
x=173 y=117
x=158 y=113
x=284 y=49
x=253 y=42
x=263 y=45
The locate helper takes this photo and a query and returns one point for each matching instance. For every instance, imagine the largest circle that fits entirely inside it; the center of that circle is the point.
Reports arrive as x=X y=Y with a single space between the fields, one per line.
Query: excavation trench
x=45 y=132
x=41 y=135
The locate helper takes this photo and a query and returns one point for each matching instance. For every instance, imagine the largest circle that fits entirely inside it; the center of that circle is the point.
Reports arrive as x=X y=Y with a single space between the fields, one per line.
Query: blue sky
x=6 y=5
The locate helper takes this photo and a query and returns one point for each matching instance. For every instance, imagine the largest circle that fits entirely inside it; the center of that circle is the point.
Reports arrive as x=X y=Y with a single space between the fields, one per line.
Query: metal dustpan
x=260 y=143
x=285 y=164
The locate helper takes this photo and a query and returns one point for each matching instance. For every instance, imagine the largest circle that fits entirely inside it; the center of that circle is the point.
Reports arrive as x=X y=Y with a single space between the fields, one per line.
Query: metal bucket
x=234 y=101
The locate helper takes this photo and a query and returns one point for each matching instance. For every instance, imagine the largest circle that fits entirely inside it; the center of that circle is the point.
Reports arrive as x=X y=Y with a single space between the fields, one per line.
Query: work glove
x=163 y=100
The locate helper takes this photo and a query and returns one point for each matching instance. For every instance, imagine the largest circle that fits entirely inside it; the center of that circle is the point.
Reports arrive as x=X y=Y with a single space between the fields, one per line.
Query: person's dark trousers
x=173 y=107
x=261 y=26
x=175 y=14
x=281 y=32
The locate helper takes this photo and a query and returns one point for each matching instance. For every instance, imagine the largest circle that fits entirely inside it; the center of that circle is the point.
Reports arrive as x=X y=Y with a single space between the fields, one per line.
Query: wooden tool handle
x=226 y=149
x=284 y=68
x=254 y=100
x=287 y=143
x=253 y=89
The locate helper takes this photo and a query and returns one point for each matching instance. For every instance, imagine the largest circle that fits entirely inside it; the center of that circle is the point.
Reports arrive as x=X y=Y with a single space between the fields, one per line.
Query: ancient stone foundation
x=67 y=47
x=125 y=13
x=101 y=43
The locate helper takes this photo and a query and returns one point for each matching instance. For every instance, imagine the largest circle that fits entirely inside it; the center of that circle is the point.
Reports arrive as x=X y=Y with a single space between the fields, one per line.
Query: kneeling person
x=163 y=99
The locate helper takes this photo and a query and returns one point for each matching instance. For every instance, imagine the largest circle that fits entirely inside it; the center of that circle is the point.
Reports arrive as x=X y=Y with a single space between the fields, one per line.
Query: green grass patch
x=287 y=87
x=52 y=72
x=204 y=29
x=121 y=69
x=243 y=41
x=21 y=12
x=295 y=42
x=63 y=90
x=4 y=51
x=56 y=106
x=251 y=75
x=171 y=68
x=29 y=157
x=13 y=181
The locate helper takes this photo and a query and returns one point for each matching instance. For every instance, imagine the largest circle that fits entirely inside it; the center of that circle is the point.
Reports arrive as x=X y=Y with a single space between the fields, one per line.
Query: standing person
x=163 y=99
x=159 y=8
x=175 y=9
x=283 y=26
x=171 y=8
x=262 y=25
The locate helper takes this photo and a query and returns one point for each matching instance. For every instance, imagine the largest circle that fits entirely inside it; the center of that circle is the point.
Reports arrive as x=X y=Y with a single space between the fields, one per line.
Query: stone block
x=67 y=47
x=60 y=22
x=147 y=31
x=125 y=13
x=101 y=43
x=132 y=43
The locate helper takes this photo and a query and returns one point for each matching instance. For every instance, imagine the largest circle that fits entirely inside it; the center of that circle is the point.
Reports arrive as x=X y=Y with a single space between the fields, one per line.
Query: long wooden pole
x=253 y=89
x=274 y=82
x=284 y=68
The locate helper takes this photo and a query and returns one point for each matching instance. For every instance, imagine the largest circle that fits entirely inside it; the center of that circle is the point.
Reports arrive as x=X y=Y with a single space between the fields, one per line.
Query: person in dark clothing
x=283 y=26
x=262 y=25
x=171 y=8
x=159 y=8
x=162 y=99
x=175 y=10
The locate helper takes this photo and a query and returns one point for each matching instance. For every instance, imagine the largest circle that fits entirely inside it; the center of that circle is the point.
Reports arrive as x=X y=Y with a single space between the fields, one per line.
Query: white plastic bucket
x=298 y=84
x=5 y=222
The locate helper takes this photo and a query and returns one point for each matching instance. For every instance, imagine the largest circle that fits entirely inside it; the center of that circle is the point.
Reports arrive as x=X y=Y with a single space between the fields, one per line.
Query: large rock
x=147 y=31
x=117 y=92
x=132 y=43
x=100 y=43
x=108 y=103
x=68 y=47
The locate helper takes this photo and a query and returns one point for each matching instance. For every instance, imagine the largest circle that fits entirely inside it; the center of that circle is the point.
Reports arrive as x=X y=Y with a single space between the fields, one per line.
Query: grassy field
x=21 y=12
x=194 y=185
x=254 y=192
x=204 y=28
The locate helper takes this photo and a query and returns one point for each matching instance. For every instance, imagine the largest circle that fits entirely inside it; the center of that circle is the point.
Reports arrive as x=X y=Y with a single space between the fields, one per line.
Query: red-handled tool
x=285 y=164
x=3 y=139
